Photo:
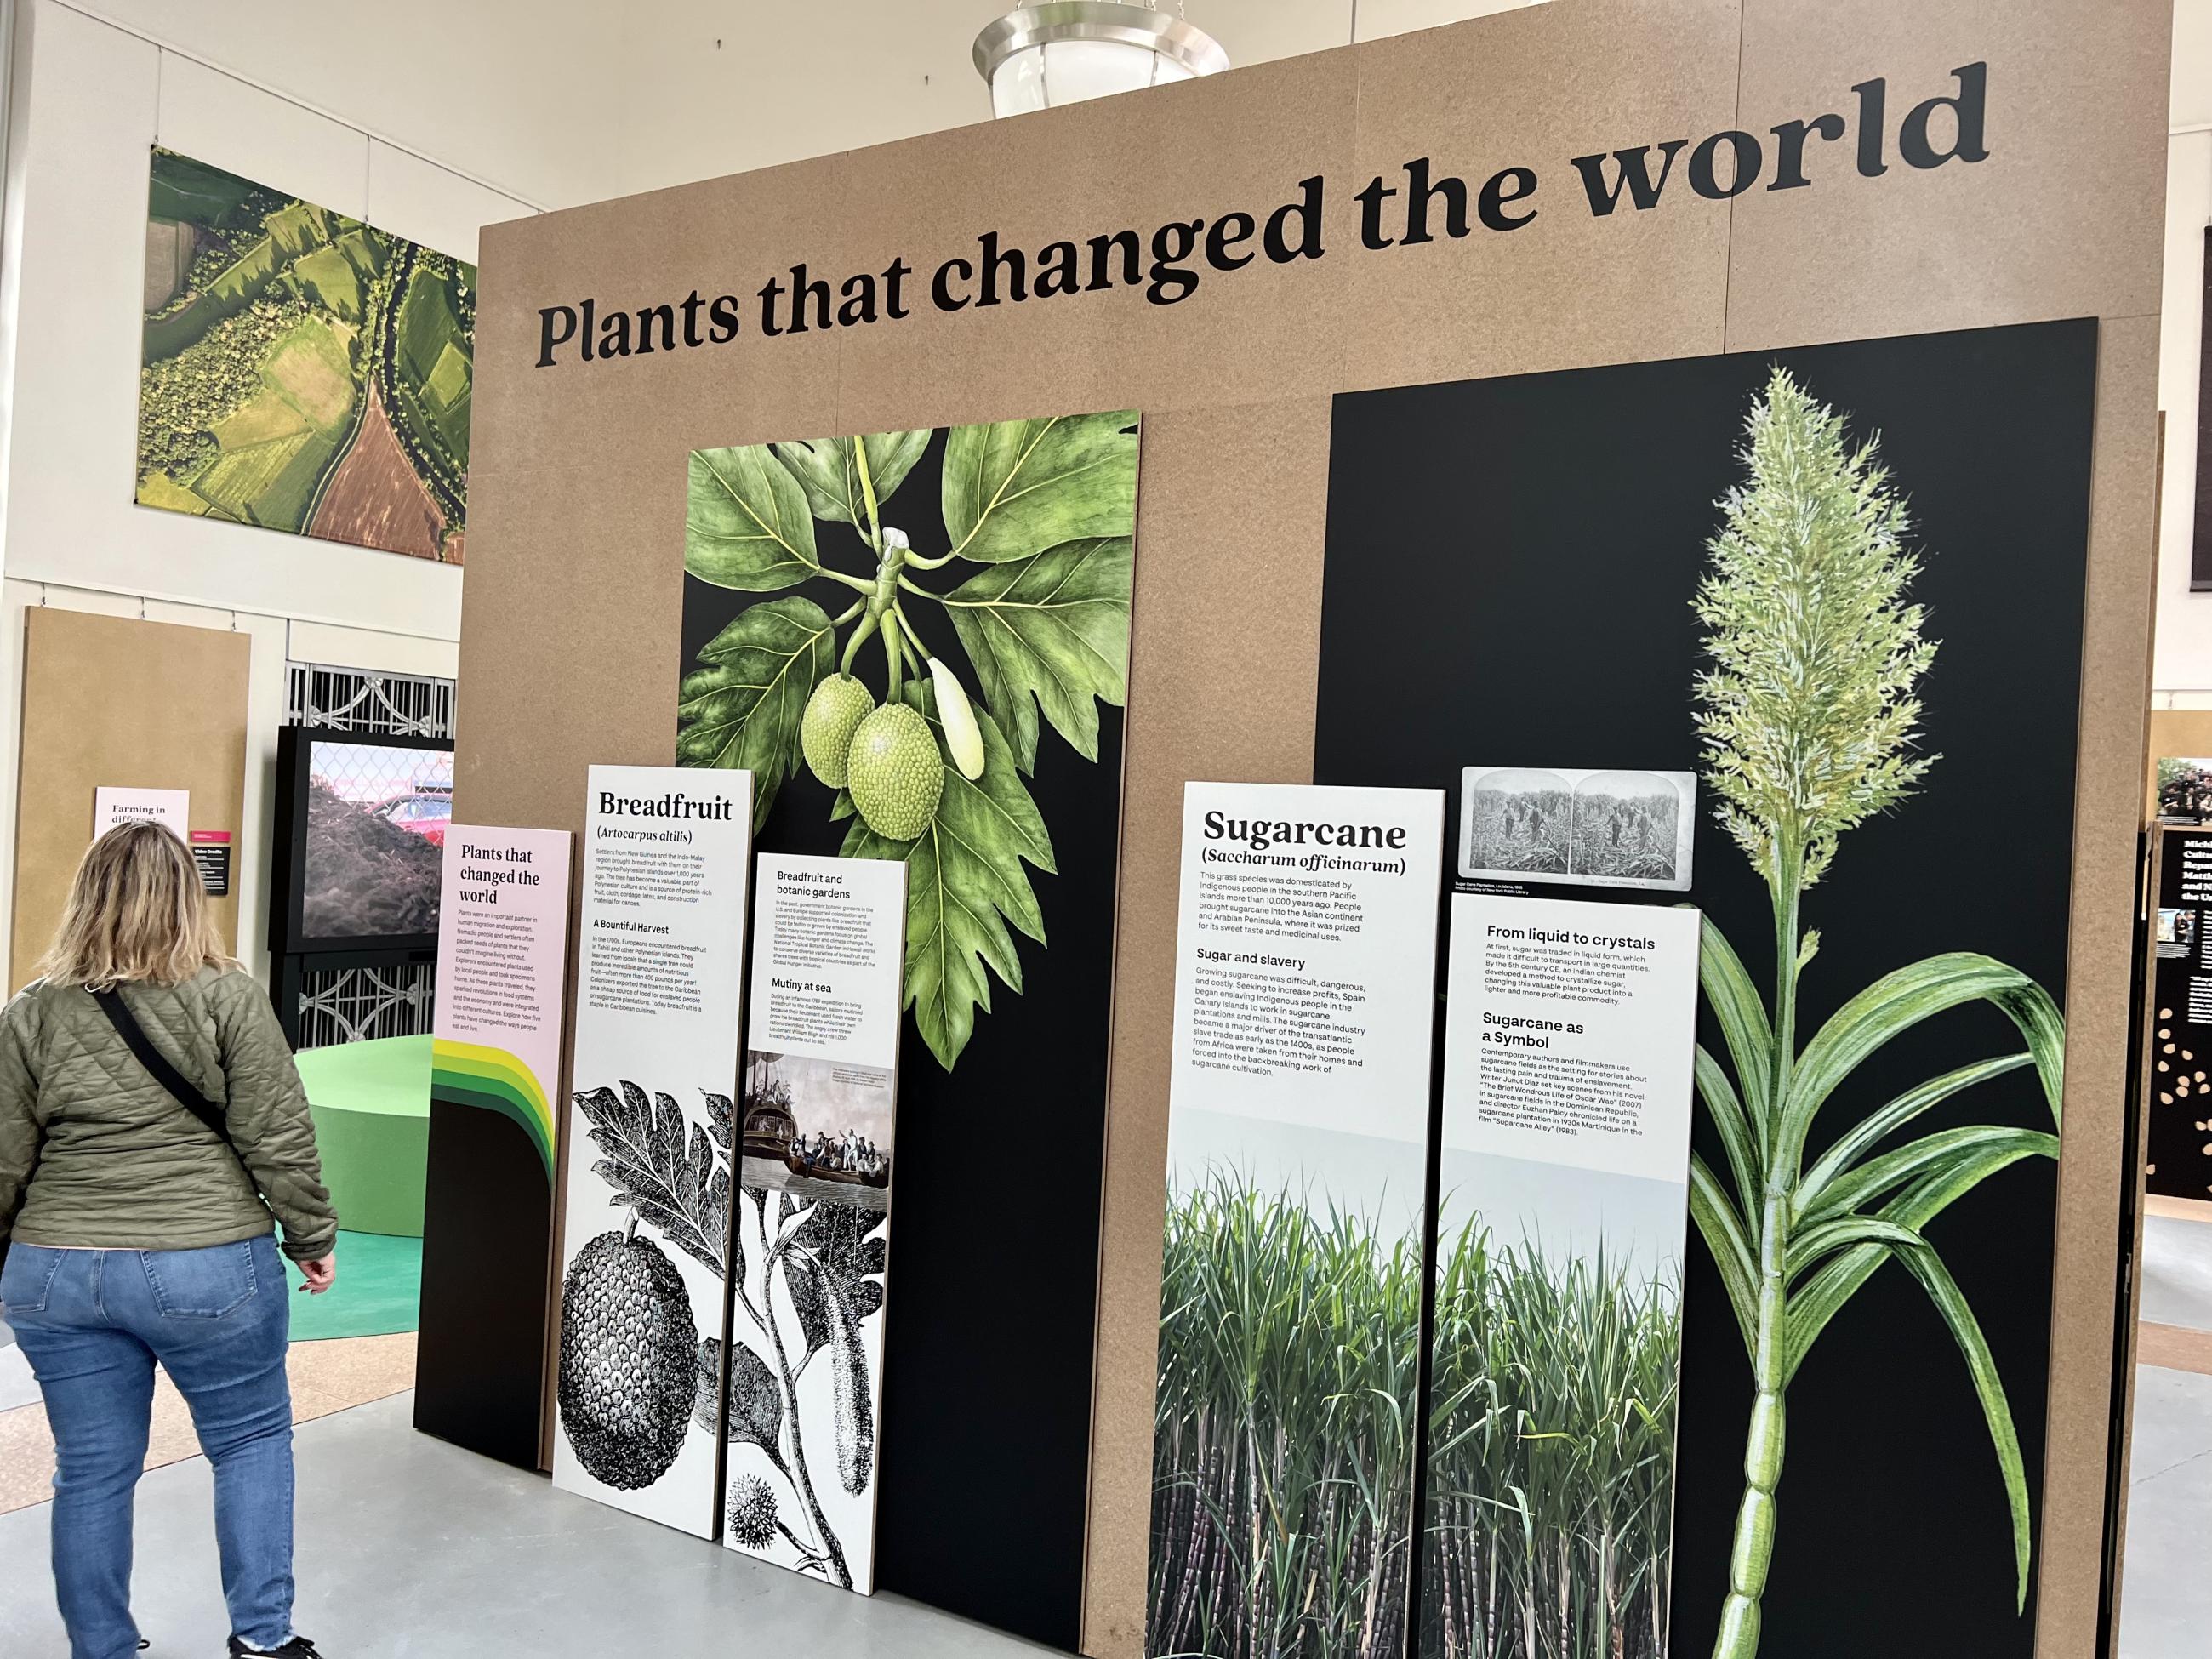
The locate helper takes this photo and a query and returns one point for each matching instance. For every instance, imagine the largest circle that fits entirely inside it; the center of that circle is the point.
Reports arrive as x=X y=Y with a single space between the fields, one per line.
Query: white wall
x=730 y=88
x=88 y=97
x=2181 y=669
x=515 y=94
x=95 y=98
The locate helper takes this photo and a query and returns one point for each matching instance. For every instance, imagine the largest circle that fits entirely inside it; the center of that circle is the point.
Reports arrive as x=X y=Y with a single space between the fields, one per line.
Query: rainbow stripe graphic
x=471 y=1075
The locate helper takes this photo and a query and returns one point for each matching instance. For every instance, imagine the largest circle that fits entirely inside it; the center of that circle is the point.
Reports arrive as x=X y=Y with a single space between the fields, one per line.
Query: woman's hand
x=321 y=1274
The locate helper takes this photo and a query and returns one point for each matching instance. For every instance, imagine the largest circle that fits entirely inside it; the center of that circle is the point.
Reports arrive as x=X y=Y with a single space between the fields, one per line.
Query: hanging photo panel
x=300 y=370
x=813 y=1235
x=1297 y=1208
x=651 y=1138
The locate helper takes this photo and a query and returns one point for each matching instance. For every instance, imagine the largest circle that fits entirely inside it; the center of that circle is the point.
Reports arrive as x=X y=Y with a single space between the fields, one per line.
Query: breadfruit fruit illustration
x=1005 y=611
x=629 y=1382
x=839 y=704
x=894 y=772
x=628 y=1357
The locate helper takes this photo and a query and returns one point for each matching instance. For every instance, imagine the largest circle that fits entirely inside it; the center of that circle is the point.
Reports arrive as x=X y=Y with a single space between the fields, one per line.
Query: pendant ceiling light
x=1067 y=50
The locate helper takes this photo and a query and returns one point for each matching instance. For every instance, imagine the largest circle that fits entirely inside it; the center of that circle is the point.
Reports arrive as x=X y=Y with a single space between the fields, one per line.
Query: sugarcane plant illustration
x=927 y=762
x=1809 y=717
x=636 y=1375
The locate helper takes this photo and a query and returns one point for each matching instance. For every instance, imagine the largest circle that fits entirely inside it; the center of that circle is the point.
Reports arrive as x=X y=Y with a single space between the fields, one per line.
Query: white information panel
x=112 y=805
x=1297 y=1127
x=1571 y=1033
x=652 y=1138
x=1305 y=969
x=817 y=1120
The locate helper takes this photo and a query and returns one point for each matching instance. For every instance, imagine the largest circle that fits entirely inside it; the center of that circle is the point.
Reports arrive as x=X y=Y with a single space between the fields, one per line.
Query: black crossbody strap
x=157 y=1066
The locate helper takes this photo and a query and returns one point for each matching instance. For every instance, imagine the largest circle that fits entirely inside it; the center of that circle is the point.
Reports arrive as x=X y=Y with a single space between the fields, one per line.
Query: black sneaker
x=298 y=1648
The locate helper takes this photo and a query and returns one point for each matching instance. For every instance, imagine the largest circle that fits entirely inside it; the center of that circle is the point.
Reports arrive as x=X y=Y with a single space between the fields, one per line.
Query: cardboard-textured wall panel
x=2099 y=1042
x=2064 y=219
x=1567 y=288
x=1223 y=689
x=594 y=594
x=571 y=638
x=1238 y=337
x=112 y=700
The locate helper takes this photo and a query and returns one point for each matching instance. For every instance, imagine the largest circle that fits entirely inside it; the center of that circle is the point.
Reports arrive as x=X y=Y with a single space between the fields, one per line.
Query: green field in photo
x=271 y=323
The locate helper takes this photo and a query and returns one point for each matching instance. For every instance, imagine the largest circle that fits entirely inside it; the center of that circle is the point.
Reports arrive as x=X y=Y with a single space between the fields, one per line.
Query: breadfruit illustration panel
x=806 y=1344
x=918 y=643
x=651 y=1142
x=1843 y=585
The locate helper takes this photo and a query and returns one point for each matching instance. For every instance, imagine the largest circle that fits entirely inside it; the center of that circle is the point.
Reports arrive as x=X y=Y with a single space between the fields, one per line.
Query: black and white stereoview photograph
x=1575 y=826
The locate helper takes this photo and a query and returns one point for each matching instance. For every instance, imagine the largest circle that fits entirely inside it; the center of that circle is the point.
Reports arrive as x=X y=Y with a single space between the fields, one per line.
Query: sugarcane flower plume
x=1806 y=715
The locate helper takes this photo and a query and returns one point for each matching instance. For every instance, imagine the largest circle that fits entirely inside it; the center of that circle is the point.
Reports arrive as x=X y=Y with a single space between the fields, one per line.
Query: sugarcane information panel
x=1570 y=1033
x=1563 y=1208
x=1297 y=1144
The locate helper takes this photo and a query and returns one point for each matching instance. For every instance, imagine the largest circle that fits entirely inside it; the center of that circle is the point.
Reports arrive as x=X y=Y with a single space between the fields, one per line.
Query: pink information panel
x=495 y=1073
x=503 y=969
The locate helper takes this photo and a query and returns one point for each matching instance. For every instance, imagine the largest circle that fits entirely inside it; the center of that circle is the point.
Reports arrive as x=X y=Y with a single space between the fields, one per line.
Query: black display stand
x=2177 y=1066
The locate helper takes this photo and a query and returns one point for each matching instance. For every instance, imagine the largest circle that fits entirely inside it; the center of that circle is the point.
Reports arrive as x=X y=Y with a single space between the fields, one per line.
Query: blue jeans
x=93 y=1323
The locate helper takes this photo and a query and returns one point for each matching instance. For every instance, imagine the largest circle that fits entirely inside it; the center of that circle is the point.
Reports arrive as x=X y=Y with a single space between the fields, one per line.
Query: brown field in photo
x=374 y=499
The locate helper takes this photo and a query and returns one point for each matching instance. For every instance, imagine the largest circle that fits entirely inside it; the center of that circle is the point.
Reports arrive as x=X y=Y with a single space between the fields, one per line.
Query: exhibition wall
x=1017 y=1454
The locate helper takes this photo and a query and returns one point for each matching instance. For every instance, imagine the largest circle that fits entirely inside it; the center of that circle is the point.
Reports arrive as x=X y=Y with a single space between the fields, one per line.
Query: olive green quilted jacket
x=95 y=1154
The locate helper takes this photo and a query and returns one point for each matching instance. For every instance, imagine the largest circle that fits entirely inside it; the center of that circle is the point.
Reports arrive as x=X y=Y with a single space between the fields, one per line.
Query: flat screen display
x=368 y=839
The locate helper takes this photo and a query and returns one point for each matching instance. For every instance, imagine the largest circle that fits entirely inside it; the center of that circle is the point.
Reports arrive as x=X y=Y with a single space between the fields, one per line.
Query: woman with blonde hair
x=153 y=1135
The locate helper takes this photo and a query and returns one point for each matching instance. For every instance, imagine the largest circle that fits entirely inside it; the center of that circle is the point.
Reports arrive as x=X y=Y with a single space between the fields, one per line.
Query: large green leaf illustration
x=828 y=471
x=746 y=524
x=1052 y=632
x=964 y=883
x=743 y=709
x=1015 y=488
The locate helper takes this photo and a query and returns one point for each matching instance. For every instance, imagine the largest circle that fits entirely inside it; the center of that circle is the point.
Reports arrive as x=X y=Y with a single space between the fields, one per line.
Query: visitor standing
x=152 y=1136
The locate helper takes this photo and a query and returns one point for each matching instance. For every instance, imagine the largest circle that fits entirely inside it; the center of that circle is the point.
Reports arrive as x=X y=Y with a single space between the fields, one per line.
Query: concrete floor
x=2177 y=1273
x=411 y=1549
x=2166 y=1606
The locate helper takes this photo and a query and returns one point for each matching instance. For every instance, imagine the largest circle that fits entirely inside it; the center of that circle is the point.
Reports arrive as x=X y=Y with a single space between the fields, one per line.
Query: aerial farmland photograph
x=301 y=370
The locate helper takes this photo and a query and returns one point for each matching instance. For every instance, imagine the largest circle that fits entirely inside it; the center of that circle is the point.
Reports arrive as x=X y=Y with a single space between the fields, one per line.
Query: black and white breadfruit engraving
x=815 y=1279
x=627 y=1345
x=753 y=1520
x=631 y=1360
x=754 y=1413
